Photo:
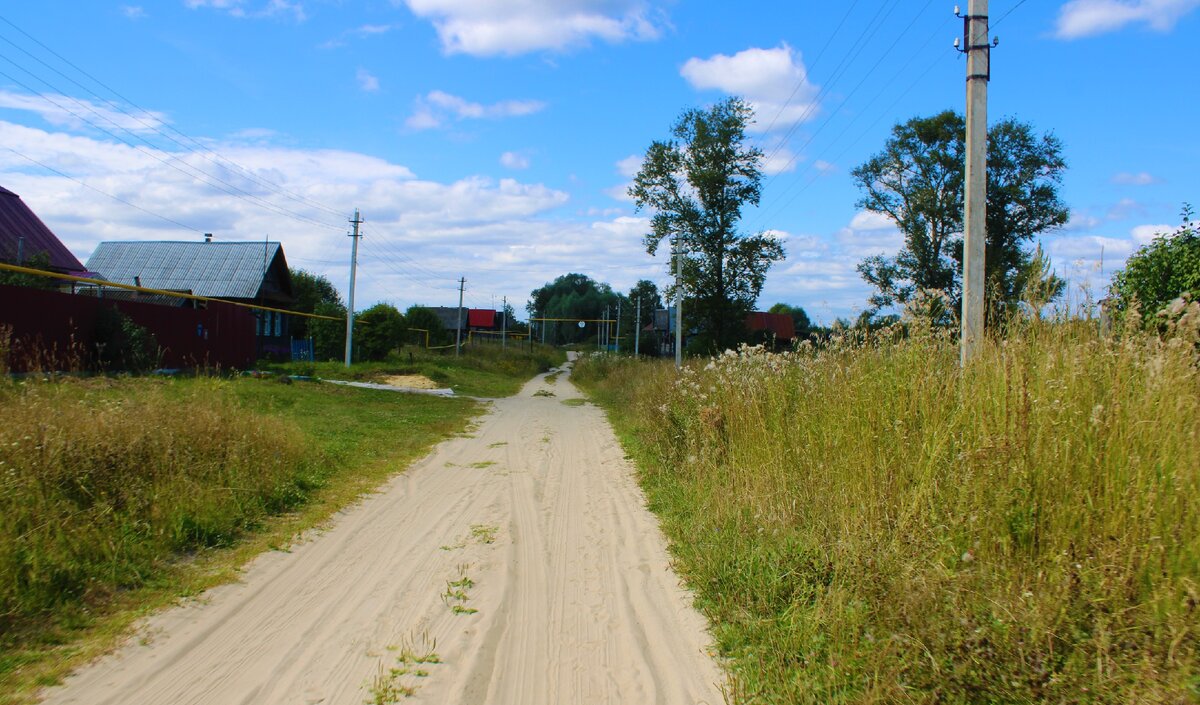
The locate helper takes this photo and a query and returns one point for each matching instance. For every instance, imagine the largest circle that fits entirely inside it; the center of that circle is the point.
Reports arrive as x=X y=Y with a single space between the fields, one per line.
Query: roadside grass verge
x=866 y=524
x=120 y=496
x=486 y=371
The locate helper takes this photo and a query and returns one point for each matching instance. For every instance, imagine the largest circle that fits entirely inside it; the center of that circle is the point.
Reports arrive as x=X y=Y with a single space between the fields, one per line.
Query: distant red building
x=777 y=326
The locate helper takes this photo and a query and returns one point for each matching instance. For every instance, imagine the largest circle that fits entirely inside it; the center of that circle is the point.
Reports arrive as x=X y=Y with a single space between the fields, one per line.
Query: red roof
x=481 y=318
x=780 y=324
x=18 y=222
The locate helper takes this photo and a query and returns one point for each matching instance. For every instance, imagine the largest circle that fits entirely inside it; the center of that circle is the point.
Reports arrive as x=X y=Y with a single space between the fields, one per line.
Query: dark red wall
x=53 y=331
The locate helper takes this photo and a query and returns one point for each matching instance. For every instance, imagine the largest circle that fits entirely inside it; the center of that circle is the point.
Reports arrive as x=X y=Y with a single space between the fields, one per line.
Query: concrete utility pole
x=637 y=328
x=600 y=328
x=504 y=323
x=618 y=324
x=978 y=51
x=462 y=283
x=353 y=270
x=678 y=304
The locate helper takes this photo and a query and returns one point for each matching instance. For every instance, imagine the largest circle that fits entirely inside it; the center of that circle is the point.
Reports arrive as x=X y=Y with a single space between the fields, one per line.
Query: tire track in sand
x=566 y=571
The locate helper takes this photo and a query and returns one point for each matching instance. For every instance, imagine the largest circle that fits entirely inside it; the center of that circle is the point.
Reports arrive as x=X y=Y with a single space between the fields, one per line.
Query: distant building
x=244 y=272
x=480 y=319
x=23 y=236
x=775 y=328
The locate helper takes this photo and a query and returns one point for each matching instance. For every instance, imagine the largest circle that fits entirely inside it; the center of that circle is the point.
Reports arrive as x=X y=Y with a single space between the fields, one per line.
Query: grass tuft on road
x=866 y=524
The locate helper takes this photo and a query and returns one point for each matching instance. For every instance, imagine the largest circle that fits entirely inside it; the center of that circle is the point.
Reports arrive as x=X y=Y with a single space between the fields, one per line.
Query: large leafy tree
x=917 y=181
x=695 y=185
x=419 y=320
x=800 y=319
x=310 y=291
x=378 y=331
x=571 y=296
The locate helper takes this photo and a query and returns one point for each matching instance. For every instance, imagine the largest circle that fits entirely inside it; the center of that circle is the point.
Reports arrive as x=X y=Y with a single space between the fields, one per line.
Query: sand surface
x=410 y=381
x=563 y=593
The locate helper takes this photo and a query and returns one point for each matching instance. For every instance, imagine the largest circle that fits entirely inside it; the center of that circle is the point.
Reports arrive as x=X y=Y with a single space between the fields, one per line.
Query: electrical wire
x=103 y=193
x=214 y=182
x=811 y=67
x=218 y=159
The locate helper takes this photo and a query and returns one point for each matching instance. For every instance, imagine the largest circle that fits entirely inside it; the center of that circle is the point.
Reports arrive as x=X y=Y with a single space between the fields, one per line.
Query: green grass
x=106 y=483
x=481 y=371
x=866 y=524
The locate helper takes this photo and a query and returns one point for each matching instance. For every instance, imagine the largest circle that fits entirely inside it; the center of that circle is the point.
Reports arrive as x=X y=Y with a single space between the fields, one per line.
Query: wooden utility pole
x=353 y=269
x=462 y=283
x=978 y=51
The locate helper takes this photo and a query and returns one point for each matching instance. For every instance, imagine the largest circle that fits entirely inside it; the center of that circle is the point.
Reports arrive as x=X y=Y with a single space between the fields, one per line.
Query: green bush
x=122 y=345
x=1160 y=272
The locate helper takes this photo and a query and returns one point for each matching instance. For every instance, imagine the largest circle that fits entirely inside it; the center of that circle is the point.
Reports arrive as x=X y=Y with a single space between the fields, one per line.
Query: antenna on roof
x=208 y=237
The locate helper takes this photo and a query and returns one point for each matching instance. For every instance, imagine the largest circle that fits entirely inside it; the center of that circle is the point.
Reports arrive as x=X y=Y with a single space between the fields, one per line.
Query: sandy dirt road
x=518 y=566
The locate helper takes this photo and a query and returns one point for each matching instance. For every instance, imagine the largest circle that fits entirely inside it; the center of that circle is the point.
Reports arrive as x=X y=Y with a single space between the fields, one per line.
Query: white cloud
x=503 y=235
x=1084 y=18
x=1141 y=178
x=133 y=12
x=367 y=82
x=1143 y=234
x=491 y=28
x=366 y=30
x=1125 y=208
x=437 y=107
x=780 y=161
x=1082 y=220
x=620 y=192
x=869 y=234
x=870 y=220
x=630 y=166
x=774 y=81
x=65 y=111
x=237 y=8
x=514 y=160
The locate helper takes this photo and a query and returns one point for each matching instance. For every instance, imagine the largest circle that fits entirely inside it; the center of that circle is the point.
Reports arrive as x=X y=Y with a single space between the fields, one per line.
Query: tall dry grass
x=867 y=524
x=101 y=484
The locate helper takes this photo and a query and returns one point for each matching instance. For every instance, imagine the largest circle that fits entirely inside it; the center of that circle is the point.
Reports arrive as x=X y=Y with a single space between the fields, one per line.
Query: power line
x=774 y=210
x=103 y=193
x=859 y=85
x=812 y=66
x=1010 y=11
x=207 y=179
x=876 y=22
x=203 y=149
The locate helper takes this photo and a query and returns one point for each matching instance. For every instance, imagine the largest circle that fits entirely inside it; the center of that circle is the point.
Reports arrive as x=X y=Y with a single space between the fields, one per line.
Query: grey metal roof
x=233 y=270
x=450 y=316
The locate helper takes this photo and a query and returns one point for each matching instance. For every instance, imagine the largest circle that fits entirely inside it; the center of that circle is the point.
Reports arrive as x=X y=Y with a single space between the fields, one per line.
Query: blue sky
x=494 y=140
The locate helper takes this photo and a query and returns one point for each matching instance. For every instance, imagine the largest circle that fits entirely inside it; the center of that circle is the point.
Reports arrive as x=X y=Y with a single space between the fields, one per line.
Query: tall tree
x=800 y=319
x=695 y=185
x=381 y=331
x=917 y=181
x=310 y=290
x=424 y=325
x=571 y=296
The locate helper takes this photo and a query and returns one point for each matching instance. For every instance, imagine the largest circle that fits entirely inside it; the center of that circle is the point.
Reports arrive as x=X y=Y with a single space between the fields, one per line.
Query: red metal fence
x=49 y=330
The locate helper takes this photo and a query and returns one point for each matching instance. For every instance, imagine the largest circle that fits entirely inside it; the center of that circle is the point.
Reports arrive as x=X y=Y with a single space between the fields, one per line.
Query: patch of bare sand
x=409 y=381
x=519 y=566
